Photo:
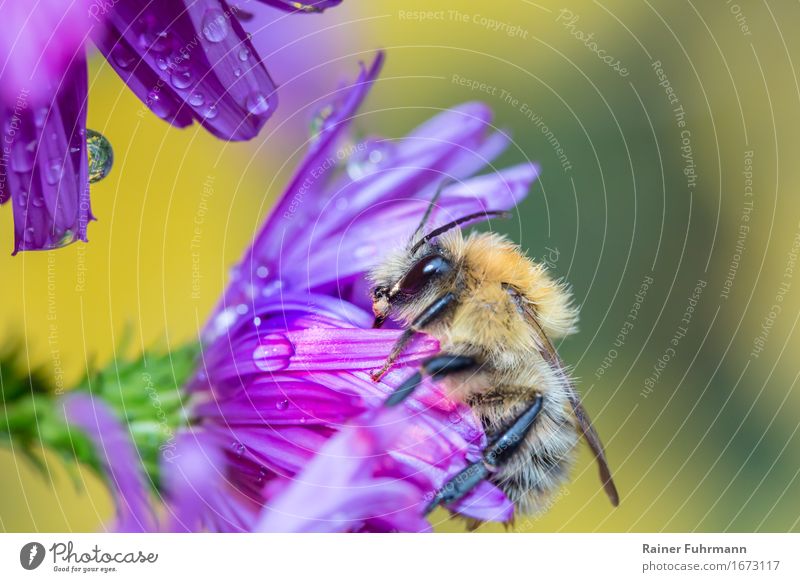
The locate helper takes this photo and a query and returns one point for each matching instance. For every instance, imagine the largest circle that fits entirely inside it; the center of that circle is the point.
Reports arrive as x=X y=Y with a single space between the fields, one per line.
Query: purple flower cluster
x=287 y=429
x=187 y=60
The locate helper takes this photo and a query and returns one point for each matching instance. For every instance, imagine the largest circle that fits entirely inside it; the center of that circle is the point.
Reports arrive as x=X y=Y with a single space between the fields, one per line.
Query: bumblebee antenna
x=444 y=184
x=451 y=225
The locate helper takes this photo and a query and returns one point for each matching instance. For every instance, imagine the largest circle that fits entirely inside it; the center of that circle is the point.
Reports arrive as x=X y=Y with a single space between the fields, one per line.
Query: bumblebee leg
x=436 y=367
x=431 y=314
x=499 y=451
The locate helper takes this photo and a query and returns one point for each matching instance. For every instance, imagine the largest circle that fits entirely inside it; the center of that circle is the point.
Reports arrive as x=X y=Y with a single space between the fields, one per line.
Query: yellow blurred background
x=667 y=133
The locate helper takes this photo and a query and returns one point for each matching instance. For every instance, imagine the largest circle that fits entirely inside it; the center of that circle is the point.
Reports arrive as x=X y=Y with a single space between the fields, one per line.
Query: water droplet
x=155 y=42
x=22 y=199
x=38 y=201
x=158 y=105
x=123 y=57
x=196 y=99
x=237 y=71
x=257 y=103
x=320 y=121
x=215 y=25
x=257 y=321
x=262 y=272
x=271 y=288
x=101 y=155
x=238 y=448
x=210 y=112
x=367 y=159
x=181 y=79
x=282 y=404
x=244 y=54
x=241 y=309
x=54 y=171
x=22 y=158
x=162 y=63
x=40 y=116
x=67 y=238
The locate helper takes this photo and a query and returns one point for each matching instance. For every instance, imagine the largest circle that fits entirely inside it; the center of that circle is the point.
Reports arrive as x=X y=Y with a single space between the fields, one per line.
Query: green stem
x=146 y=392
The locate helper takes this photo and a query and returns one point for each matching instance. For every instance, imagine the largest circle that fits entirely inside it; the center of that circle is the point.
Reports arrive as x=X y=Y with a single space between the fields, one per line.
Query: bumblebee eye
x=380 y=292
x=422 y=273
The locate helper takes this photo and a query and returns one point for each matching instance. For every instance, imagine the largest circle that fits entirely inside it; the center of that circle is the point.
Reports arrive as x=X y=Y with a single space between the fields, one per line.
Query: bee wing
x=596 y=445
x=548 y=352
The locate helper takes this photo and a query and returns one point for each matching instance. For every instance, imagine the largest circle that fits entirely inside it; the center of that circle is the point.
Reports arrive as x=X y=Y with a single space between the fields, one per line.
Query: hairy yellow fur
x=498 y=290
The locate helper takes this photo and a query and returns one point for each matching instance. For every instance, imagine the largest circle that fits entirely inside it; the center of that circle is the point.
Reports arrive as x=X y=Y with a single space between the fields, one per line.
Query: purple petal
x=119 y=457
x=346 y=254
x=190 y=61
x=308 y=6
x=291 y=215
x=194 y=480
x=39 y=43
x=349 y=486
x=48 y=177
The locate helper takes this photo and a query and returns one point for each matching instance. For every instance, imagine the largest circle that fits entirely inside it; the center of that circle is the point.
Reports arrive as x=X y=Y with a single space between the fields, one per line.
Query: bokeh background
x=704 y=214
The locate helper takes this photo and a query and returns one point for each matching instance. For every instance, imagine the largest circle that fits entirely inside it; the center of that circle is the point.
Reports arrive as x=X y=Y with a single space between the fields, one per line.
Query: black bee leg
x=431 y=314
x=499 y=451
x=436 y=367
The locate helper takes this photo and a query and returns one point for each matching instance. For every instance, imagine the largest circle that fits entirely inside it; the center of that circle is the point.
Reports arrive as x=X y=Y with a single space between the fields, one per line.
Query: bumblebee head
x=403 y=281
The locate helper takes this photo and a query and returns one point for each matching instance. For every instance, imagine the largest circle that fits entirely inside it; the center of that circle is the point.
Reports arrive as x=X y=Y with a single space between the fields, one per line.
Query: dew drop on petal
x=157 y=105
x=67 y=238
x=367 y=159
x=40 y=116
x=181 y=79
x=54 y=171
x=101 y=155
x=282 y=404
x=123 y=57
x=262 y=272
x=320 y=121
x=211 y=112
x=244 y=54
x=22 y=158
x=238 y=448
x=196 y=99
x=257 y=103
x=215 y=25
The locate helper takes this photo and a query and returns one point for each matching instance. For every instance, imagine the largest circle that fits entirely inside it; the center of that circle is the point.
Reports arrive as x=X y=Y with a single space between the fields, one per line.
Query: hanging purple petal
x=119 y=457
x=47 y=169
x=307 y=6
x=190 y=61
x=39 y=43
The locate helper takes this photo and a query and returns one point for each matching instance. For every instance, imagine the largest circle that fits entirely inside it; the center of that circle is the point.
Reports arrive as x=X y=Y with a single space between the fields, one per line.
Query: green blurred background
x=706 y=443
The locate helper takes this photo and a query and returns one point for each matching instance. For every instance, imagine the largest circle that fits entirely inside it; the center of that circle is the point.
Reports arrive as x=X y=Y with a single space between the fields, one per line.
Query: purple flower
x=286 y=428
x=187 y=60
x=277 y=389
x=285 y=395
